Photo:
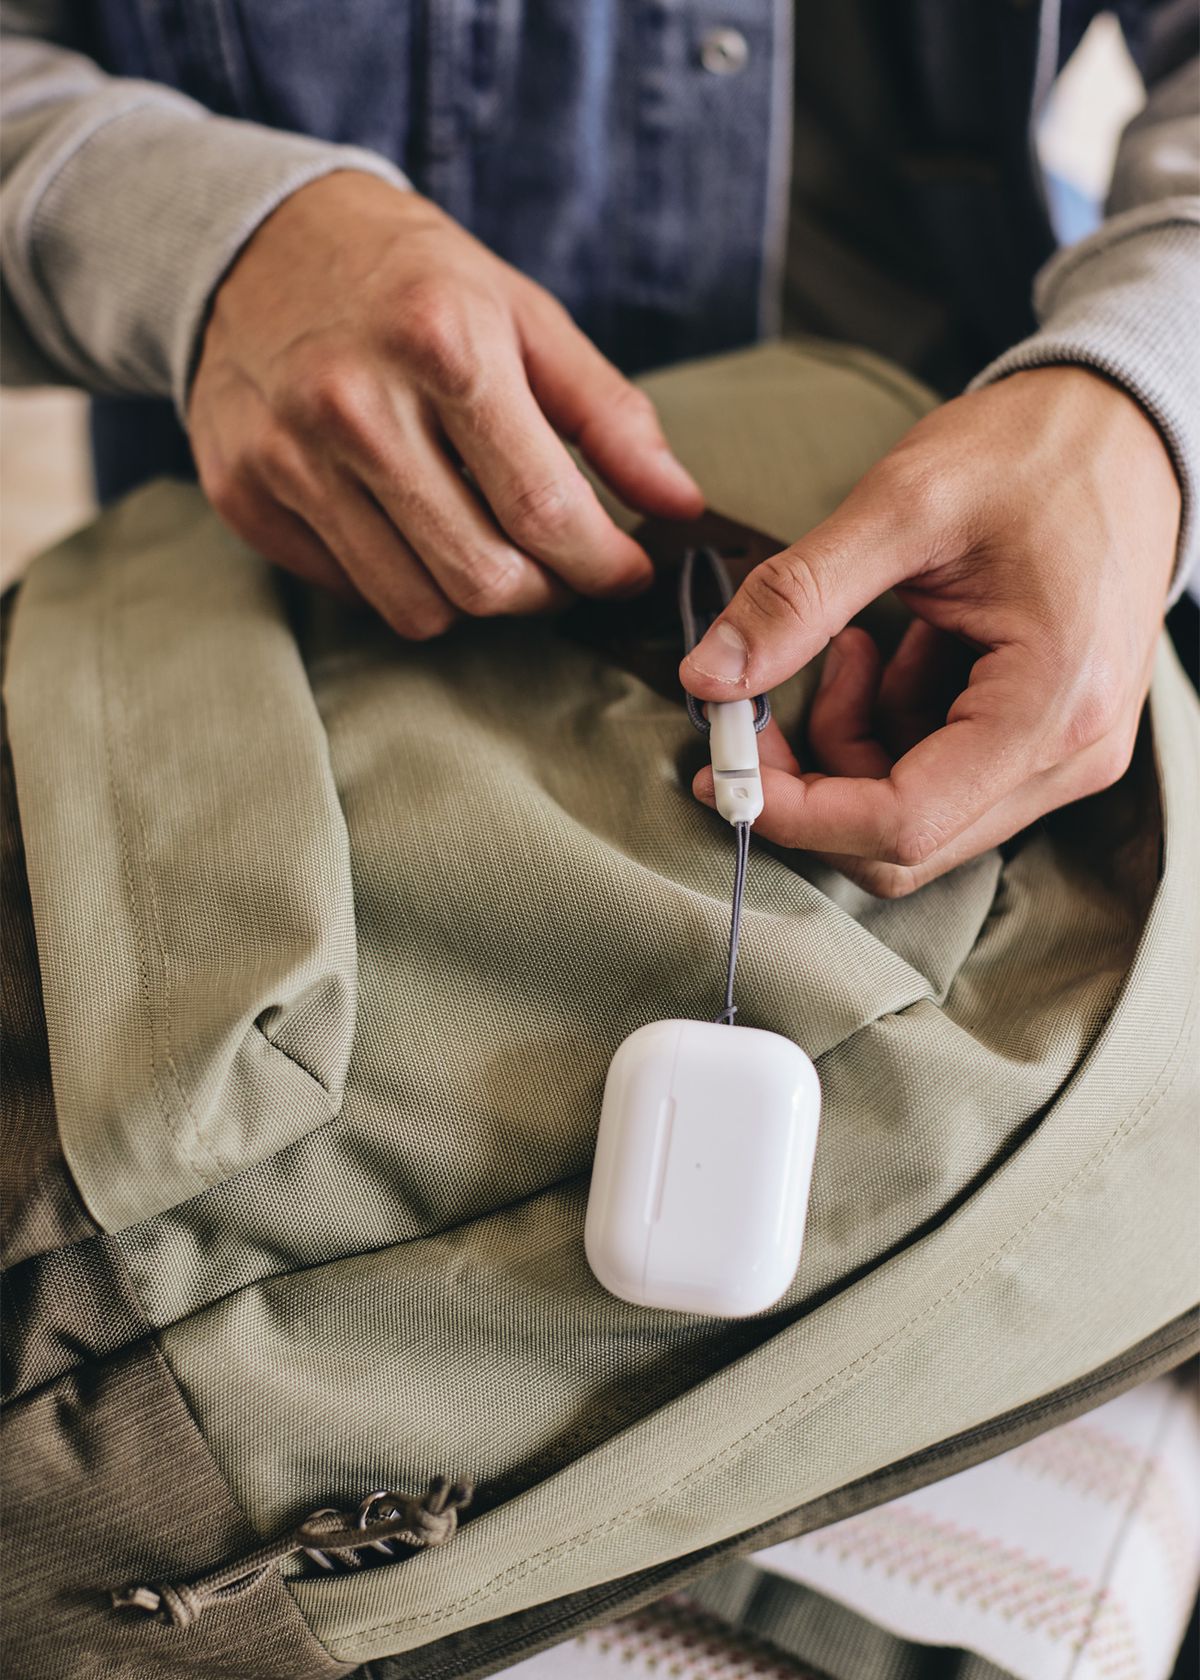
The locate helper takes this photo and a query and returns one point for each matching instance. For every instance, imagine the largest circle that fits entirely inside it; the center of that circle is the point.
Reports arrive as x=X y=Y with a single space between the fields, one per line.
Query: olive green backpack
x=327 y=944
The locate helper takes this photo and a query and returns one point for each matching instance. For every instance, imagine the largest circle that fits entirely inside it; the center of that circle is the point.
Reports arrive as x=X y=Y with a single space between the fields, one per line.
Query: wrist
x=293 y=222
x=1098 y=413
x=1098 y=424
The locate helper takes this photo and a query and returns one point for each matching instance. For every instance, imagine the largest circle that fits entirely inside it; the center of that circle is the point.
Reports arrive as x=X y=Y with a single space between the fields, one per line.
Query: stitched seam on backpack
x=775 y=1422
x=570 y=1180
x=576 y=1179
x=110 y=710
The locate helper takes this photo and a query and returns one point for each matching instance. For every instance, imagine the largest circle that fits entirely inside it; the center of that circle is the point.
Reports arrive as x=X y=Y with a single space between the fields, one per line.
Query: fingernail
x=702 y=787
x=722 y=654
x=829 y=670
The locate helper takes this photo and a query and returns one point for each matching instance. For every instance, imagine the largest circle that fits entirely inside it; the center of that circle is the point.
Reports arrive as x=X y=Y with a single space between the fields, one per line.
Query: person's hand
x=361 y=353
x=1030 y=527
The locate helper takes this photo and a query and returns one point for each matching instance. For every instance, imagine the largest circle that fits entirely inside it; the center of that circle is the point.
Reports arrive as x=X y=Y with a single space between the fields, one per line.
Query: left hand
x=1030 y=527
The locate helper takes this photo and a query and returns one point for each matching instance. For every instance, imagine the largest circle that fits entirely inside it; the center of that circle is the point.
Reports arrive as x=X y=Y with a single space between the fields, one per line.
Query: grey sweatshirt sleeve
x=1124 y=301
x=122 y=206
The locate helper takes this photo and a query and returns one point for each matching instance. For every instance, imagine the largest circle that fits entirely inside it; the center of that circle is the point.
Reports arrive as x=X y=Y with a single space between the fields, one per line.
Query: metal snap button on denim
x=723 y=52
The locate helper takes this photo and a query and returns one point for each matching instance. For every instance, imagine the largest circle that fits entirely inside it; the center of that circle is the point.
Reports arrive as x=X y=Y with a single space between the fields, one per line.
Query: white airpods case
x=703 y=1162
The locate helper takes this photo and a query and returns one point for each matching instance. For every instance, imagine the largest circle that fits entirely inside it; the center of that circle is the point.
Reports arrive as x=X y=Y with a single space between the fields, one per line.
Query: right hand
x=364 y=350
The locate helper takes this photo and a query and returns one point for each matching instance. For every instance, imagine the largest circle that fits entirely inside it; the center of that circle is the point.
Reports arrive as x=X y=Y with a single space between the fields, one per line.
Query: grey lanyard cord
x=694 y=626
x=742 y=830
x=696 y=623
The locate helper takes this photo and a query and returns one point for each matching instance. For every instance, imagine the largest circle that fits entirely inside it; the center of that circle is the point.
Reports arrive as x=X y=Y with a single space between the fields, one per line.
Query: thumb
x=612 y=422
x=791 y=605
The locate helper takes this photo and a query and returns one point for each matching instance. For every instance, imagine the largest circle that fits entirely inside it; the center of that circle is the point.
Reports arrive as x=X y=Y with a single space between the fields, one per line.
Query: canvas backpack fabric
x=328 y=942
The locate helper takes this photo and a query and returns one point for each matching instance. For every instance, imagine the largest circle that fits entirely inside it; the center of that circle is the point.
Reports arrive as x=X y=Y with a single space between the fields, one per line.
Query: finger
x=473 y=562
x=381 y=564
x=893 y=880
x=919 y=684
x=1089 y=772
x=841 y=718
x=537 y=494
x=612 y=422
x=789 y=606
x=995 y=740
x=1036 y=799
x=283 y=538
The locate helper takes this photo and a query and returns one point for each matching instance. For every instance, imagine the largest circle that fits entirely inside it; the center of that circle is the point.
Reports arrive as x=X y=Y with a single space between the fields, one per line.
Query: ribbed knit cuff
x=133 y=220
x=1124 y=303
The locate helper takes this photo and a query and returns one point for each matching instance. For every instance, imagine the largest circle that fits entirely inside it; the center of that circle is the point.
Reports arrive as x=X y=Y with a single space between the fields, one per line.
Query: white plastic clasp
x=733 y=745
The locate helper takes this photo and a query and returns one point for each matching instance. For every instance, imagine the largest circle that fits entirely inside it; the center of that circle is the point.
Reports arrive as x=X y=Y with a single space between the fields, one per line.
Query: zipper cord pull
x=383 y=1521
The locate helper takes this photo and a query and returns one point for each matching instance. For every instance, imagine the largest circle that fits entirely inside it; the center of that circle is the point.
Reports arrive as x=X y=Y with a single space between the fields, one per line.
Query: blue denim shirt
x=634 y=156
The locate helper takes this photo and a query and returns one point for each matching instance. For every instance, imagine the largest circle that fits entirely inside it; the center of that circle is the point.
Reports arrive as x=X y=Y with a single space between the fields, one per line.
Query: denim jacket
x=636 y=156
x=631 y=155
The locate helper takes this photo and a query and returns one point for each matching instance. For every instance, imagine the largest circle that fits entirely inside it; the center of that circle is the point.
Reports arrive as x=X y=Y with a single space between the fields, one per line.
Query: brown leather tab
x=741 y=546
x=643 y=635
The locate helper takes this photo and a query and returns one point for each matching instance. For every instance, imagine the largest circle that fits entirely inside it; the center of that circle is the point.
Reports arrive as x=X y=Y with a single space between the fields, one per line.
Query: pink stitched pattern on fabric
x=1079 y=1550
x=675 y=1639
x=1106 y=1467
x=945 y=1559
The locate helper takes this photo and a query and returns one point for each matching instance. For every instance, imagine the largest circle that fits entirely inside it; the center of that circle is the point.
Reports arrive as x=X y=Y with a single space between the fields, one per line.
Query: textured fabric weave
x=106 y=1476
x=377 y=1274
x=491 y=1647
x=43 y=1207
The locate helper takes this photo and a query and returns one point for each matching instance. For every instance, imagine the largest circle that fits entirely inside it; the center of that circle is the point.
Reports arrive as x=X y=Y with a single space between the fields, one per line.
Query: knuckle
x=542 y=306
x=436 y=330
x=335 y=399
x=913 y=844
x=1093 y=715
x=890 y=881
x=921 y=491
x=786 y=585
x=489 y=586
x=228 y=493
x=932 y=501
x=539 y=516
x=278 y=464
x=220 y=487
x=881 y=880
